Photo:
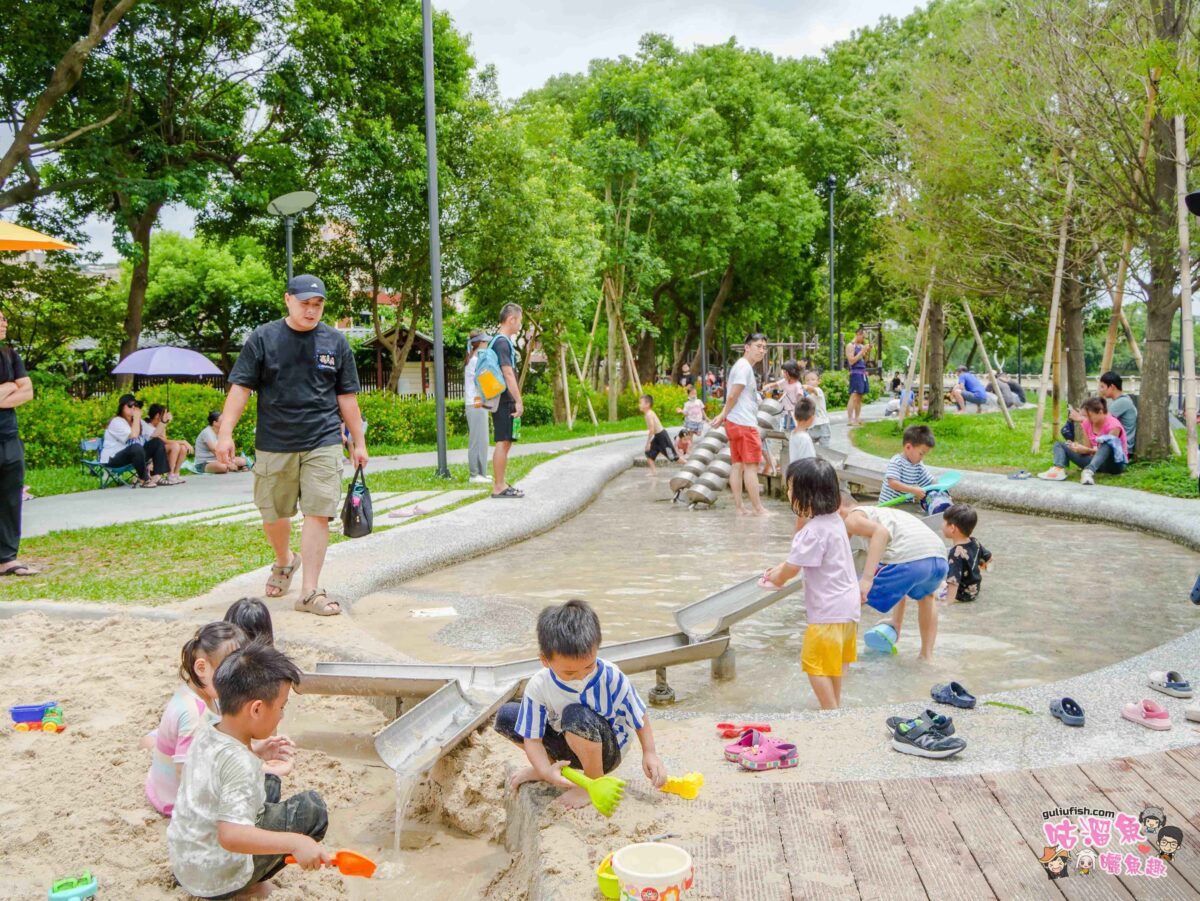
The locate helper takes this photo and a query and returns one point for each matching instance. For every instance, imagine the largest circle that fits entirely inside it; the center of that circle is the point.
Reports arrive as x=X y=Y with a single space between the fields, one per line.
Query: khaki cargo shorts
x=314 y=478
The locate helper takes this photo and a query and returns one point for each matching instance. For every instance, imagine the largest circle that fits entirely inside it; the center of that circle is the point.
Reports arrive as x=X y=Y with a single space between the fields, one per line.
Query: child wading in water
x=579 y=711
x=657 y=439
x=905 y=559
x=831 y=596
x=967 y=557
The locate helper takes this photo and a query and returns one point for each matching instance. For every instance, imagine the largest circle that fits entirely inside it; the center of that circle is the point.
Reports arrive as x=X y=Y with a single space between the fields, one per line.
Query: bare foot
x=739 y=511
x=762 y=511
x=574 y=798
x=521 y=776
x=923 y=658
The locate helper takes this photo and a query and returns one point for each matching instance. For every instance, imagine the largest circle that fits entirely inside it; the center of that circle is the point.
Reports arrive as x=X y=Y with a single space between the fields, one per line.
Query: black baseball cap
x=126 y=400
x=305 y=287
x=1193 y=202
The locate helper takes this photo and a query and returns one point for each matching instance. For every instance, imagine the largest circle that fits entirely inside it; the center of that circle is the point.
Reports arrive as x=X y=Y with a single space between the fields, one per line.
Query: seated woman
x=1104 y=447
x=206 y=450
x=123 y=444
x=155 y=426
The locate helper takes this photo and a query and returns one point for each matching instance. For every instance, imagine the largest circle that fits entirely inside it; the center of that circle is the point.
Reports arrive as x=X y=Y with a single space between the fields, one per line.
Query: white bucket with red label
x=653 y=871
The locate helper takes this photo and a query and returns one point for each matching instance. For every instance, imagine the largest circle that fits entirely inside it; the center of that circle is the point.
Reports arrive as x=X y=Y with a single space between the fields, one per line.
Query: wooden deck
x=942 y=838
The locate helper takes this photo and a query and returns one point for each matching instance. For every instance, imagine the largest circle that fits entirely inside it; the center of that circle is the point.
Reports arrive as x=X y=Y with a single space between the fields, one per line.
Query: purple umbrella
x=164 y=361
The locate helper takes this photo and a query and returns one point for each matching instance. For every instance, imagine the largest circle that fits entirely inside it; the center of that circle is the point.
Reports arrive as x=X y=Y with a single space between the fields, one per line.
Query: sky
x=530 y=40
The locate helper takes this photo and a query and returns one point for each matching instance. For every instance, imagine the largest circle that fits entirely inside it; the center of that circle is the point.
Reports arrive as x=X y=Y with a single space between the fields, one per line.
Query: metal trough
x=701 y=494
x=714 y=615
x=771 y=407
x=682 y=481
x=719 y=468
x=415 y=741
x=702 y=454
x=712 y=481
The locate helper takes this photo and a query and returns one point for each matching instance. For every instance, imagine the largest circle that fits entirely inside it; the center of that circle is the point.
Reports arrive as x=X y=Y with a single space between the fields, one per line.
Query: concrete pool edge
x=555 y=491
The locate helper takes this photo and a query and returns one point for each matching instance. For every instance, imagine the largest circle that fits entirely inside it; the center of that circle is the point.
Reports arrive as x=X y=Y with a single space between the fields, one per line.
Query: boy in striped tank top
x=906 y=473
x=578 y=711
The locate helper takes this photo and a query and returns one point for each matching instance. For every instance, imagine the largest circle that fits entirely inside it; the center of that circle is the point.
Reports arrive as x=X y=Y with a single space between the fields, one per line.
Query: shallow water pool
x=1062 y=598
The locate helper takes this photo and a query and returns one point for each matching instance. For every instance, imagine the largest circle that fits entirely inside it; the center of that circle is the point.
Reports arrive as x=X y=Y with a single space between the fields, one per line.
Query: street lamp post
x=703 y=349
x=288 y=206
x=435 y=243
x=831 y=186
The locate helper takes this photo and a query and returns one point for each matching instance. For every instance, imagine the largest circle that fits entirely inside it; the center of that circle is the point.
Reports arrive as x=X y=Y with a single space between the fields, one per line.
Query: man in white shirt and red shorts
x=740 y=418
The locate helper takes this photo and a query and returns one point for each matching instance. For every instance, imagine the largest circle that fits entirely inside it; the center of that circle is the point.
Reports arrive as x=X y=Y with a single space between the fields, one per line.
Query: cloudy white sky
x=530 y=40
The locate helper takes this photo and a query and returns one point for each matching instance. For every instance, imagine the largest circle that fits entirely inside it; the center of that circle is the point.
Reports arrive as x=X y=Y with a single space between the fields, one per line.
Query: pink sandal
x=775 y=756
x=751 y=738
x=1147 y=713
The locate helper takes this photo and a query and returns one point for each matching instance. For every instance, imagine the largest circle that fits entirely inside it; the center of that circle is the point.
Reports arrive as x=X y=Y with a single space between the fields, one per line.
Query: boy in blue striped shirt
x=906 y=474
x=578 y=711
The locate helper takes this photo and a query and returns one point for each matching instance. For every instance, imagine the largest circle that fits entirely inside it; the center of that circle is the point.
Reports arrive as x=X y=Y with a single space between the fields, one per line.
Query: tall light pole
x=830 y=187
x=289 y=206
x=703 y=336
x=435 y=240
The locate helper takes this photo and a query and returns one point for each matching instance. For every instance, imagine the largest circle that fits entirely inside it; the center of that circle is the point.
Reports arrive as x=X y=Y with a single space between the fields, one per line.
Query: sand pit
x=75 y=800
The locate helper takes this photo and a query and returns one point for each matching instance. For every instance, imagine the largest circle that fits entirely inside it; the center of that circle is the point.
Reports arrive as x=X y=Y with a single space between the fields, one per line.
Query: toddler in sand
x=832 y=606
x=578 y=711
x=189 y=710
x=253 y=617
x=230 y=832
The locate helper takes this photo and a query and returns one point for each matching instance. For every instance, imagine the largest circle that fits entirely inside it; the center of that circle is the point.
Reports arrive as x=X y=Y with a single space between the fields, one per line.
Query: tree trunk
x=400 y=353
x=558 y=389
x=647 y=358
x=610 y=364
x=139 y=229
x=1153 y=438
x=1072 y=338
x=714 y=313
x=937 y=358
x=689 y=337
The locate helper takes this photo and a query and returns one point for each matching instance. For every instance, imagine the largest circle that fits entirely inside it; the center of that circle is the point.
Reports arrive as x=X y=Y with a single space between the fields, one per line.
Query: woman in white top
x=123 y=444
x=477 y=416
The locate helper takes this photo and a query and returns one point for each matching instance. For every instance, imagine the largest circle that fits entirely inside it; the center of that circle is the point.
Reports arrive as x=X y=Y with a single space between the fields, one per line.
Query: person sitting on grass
x=155 y=426
x=906 y=473
x=230 y=832
x=578 y=711
x=125 y=445
x=821 y=549
x=800 y=444
x=905 y=559
x=206 y=450
x=1104 y=447
x=968 y=390
x=967 y=557
x=657 y=439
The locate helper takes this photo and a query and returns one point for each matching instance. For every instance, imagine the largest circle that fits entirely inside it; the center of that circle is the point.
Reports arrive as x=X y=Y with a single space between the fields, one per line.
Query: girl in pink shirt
x=832 y=600
x=1105 y=447
x=190 y=709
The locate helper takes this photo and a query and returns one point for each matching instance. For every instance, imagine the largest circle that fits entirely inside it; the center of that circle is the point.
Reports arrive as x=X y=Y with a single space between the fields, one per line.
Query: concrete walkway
x=90 y=509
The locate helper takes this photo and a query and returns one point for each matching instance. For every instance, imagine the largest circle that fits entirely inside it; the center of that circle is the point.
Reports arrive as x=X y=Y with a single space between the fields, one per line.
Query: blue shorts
x=858 y=383
x=896 y=581
x=972 y=397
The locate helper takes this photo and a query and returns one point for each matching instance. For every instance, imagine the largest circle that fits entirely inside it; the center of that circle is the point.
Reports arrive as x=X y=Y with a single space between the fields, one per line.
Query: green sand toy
x=605 y=792
x=944 y=484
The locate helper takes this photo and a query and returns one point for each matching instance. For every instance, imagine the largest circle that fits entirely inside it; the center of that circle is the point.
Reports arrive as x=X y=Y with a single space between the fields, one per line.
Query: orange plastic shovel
x=349 y=863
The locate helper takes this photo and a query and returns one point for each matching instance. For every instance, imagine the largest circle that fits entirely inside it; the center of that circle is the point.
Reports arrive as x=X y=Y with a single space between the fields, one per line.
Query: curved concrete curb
x=555 y=491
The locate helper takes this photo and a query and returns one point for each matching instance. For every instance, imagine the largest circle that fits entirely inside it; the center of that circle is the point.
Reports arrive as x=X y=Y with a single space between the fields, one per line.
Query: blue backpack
x=489 y=377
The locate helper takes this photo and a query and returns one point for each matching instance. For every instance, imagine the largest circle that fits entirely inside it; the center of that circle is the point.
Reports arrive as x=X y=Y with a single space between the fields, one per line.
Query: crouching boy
x=578 y=711
x=229 y=831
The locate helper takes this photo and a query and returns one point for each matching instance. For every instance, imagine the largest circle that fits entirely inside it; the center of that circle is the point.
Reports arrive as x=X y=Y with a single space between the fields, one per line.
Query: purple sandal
x=775 y=756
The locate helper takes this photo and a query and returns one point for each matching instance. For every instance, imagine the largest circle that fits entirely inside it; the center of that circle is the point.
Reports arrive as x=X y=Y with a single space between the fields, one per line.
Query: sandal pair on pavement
x=316 y=601
x=755 y=752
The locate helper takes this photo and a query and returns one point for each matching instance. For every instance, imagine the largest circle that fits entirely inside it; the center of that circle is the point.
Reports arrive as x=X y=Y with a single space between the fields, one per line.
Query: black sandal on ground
x=510 y=491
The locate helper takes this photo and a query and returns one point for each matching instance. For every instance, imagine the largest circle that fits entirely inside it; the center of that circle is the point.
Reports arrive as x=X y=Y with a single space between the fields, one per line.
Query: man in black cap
x=15 y=389
x=307 y=387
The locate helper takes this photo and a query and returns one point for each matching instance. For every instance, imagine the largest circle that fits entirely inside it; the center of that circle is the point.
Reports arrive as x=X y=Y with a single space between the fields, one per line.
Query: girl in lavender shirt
x=832 y=599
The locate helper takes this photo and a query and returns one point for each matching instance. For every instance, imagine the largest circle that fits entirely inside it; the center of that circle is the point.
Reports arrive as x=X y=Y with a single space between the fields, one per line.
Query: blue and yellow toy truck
x=47 y=717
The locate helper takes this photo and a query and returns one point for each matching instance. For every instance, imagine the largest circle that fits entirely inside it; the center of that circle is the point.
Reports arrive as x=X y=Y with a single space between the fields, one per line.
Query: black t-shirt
x=503 y=347
x=11 y=369
x=687 y=379
x=298 y=377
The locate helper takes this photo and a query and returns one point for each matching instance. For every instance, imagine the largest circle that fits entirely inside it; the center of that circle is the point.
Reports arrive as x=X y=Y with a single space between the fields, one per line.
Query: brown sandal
x=281 y=577
x=319 y=603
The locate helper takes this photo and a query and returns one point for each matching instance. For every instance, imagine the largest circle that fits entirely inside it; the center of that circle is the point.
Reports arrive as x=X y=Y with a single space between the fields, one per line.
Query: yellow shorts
x=312 y=478
x=827 y=647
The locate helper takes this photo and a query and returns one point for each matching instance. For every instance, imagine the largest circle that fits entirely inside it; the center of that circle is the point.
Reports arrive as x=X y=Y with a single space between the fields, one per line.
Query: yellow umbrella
x=16 y=237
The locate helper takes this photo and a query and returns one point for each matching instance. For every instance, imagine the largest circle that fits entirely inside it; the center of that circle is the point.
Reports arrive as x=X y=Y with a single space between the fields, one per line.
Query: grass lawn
x=985 y=443
x=142 y=563
x=69 y=479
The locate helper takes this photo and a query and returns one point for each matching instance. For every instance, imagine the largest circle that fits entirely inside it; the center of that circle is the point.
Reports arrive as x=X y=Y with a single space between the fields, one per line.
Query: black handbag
x=357 y=517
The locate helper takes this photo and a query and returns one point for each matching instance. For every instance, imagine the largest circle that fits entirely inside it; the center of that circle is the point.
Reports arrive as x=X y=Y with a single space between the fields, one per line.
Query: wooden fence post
x=988 y=364
x=922 y=323
x=1052 y=330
